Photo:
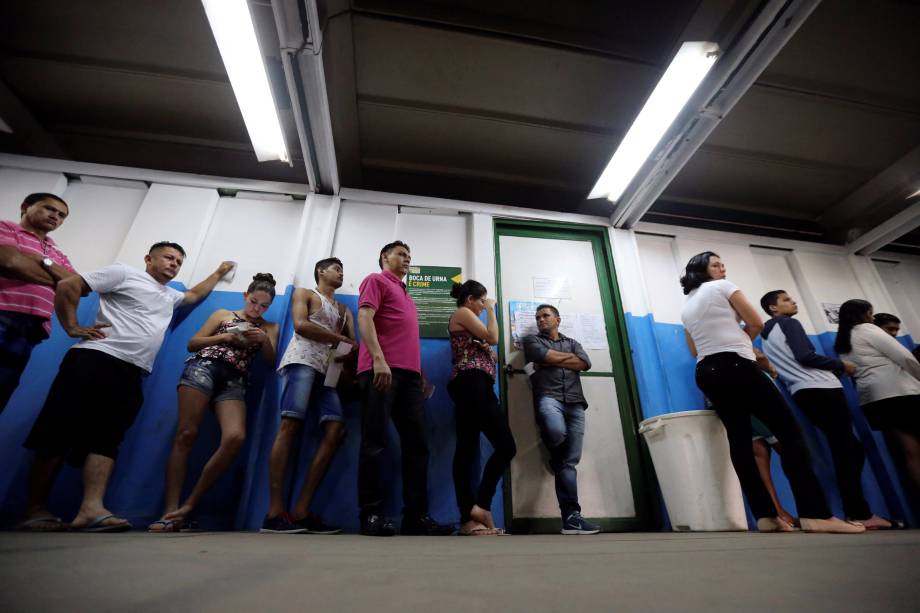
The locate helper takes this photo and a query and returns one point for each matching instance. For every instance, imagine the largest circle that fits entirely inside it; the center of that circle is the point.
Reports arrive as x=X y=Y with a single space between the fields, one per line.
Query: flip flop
x=190 y=526
x=482 y=532
x=99 y=525
x=169 y=525
x=31 y=524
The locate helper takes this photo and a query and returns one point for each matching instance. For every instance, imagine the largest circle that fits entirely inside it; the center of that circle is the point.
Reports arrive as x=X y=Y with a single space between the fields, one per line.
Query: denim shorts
x=301 y=388
x=215 y=378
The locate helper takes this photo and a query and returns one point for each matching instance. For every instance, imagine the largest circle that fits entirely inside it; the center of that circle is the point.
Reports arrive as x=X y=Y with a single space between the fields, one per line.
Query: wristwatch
x=47 y=264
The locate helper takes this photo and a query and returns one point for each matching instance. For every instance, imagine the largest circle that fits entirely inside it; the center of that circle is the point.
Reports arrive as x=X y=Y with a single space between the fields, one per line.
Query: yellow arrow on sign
x=457 y=279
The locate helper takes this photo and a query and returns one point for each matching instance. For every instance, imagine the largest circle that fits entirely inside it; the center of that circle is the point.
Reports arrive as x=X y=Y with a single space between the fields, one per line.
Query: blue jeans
x=562 y=427
x=301 y=388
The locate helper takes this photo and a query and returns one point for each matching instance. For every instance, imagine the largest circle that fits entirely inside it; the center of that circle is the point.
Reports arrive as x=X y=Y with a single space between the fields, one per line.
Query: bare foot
x=179 y=514
x=784 y=515
x=774 y=524
x=832 y=525
x=477 y=513
x=876 y=523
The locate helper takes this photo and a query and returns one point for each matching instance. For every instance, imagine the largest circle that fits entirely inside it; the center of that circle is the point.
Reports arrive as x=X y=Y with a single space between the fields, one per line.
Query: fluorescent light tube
x=677 y=84
x=234 y=31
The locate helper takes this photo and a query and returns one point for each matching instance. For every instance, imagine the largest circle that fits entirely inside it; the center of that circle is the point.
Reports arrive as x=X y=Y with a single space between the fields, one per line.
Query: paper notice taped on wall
x=592 y=331
x=522 y=315
x=589 y=329
x=552 y=287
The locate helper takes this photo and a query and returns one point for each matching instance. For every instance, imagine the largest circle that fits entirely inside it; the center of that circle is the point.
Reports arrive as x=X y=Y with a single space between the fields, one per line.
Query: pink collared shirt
x=395 y=319
x=21 y=296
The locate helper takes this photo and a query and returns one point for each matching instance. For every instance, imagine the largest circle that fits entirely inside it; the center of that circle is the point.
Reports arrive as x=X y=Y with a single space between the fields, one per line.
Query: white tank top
x=312 y=353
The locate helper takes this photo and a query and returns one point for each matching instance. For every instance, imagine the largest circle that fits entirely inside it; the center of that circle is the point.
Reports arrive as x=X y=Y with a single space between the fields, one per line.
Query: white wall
x=119 y=219
x=435 y=239
x=170 y=213
x=101 y=213
x=902 y=280
x=16 y=184
x=261 y=235
x=813 y=273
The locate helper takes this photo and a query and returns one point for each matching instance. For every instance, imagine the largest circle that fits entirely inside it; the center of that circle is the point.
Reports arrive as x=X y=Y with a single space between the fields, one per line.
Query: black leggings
x=738 y=389
x=828 y=410
x=478 y=411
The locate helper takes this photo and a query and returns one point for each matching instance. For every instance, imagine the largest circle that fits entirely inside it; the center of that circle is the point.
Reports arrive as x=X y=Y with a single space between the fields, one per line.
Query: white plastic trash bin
x=700 y=488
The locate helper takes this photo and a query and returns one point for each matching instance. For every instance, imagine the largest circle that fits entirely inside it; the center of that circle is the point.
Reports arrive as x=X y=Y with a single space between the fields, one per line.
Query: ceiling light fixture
x=234 y=31
x=686 y=71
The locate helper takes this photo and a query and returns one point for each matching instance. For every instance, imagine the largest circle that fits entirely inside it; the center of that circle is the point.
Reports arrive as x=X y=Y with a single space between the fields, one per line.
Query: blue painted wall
x=665 y=379
x=239 y=500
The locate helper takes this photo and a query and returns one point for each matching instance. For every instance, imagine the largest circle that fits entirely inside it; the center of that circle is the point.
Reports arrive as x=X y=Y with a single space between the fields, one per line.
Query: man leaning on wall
x=30 y=267
x=97 y=392
x=560 y=406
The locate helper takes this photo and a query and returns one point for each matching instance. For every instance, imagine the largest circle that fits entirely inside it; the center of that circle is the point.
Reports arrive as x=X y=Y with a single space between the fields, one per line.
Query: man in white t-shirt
x=97 y=392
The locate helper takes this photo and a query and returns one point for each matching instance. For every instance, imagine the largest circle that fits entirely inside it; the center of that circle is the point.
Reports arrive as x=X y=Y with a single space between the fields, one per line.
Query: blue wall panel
x=240 y=499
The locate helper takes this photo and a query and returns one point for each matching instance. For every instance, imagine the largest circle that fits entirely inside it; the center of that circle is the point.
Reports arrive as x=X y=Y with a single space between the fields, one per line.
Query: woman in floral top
x=217 y=374
x=471 y=384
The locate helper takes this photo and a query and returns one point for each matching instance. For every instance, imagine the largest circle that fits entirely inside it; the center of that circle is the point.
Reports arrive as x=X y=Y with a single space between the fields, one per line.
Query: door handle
x=511 y=370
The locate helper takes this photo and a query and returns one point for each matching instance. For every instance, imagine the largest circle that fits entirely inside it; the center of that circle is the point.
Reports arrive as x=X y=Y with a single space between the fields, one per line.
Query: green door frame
x=641 y=474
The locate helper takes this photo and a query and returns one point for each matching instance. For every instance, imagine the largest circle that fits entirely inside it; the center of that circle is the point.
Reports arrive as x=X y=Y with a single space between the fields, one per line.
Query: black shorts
x=896 y=413
x=93 y=401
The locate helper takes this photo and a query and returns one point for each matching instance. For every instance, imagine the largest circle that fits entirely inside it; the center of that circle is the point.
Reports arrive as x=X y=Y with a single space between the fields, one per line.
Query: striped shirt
x=22 y=296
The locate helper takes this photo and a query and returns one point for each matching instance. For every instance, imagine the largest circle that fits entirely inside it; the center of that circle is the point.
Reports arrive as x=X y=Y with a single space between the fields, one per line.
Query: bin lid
x=678 y=415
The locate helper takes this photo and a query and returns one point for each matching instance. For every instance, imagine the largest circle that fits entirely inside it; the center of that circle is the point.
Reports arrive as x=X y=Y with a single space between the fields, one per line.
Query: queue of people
x=97 y=392
x=730 y=372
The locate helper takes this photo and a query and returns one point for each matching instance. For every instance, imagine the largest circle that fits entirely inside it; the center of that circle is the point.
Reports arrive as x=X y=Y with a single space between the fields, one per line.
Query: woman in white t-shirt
x=887 y=377
x=727 y=372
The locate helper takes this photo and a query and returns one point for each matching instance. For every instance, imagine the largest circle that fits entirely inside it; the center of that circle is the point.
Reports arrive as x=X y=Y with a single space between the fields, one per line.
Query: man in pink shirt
x=30 y=267
x=389 y=375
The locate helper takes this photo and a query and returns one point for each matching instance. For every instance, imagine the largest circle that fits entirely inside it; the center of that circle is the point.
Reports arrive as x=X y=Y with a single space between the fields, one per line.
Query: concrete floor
x=228 y=572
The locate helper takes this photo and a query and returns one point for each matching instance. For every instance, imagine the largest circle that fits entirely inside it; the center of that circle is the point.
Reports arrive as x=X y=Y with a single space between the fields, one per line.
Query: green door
x=570 y=267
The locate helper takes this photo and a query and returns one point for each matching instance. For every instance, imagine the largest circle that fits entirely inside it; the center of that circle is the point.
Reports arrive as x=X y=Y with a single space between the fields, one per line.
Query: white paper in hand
x=334 y=369
x=227 y=278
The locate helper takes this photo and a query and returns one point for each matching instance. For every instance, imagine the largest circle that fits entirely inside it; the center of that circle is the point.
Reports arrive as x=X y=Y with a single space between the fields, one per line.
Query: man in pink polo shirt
x=30 y=267
x=390 y=379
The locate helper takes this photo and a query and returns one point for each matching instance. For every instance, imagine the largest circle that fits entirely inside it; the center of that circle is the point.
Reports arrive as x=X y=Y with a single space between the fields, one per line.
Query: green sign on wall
x=430 y=287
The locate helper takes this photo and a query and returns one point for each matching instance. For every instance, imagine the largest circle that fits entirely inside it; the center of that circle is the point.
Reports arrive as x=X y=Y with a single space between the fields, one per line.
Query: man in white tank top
x=320 y=324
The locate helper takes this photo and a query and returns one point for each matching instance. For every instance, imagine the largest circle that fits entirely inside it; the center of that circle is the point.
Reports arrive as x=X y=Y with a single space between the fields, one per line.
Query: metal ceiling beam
x=731 y=77
x=887 y=232
x=25 y=127
x=301 y=38
x=899 y=179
